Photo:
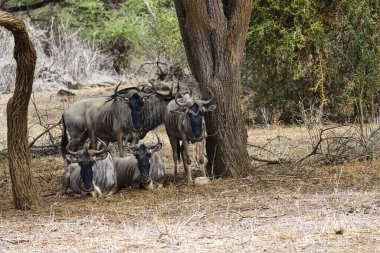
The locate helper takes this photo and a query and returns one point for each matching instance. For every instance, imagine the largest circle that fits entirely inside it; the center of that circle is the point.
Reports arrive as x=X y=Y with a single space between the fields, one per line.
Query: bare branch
x=41 y=134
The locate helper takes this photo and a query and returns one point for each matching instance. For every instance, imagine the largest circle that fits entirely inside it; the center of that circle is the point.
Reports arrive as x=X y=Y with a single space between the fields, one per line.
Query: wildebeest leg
x=93 y=141
x=119 y=139
x=78 y=142
x=65 y=181
x=173 y=143
x=186 y=161
x=201 y=159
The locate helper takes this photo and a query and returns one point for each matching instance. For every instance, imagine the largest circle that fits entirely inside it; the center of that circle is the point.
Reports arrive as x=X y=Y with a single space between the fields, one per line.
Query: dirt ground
x=332 y=208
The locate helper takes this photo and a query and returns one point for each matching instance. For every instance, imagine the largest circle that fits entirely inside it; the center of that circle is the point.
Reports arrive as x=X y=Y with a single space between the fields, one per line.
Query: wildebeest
x=92 y=172
x=142 y=168
x=110 y=119
x=154 y=111
x=184 y=122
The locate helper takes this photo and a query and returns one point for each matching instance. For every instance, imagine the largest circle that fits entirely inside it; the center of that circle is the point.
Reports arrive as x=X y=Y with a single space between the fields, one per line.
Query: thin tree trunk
x=214 y=35
x=24 y=190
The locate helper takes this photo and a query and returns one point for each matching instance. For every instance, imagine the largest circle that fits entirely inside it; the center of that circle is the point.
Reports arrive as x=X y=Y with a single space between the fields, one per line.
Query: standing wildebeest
x=154 y=110
x=92 y=172
x=184 y=122
x=142 y=168
x=110 y=119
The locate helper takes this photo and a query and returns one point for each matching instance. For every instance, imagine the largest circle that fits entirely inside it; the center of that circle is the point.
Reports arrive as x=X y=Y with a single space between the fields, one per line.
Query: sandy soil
x=275 y=209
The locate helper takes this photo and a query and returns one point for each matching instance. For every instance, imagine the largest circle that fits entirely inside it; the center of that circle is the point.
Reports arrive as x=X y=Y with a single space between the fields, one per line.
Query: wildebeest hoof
x=157 y=185
x=135 y=186
x=94 y=194
x=150 y=186
x=201 y=181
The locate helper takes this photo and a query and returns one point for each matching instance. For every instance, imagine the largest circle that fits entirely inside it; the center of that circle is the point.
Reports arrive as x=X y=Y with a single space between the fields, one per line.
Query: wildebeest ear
x=129 y=149
x=179 y=112
x=122 y=99
x=71 y=158
x=100 y=157
x=210 y=108
x=156 y=148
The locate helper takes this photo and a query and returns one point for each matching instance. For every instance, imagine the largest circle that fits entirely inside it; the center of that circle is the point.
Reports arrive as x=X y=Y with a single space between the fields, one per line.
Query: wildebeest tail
x=179 y=151
x=64 y=139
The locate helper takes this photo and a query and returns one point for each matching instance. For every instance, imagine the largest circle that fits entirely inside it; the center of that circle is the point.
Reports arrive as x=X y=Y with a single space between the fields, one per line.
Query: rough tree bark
x=24 y=190
x=214 y=34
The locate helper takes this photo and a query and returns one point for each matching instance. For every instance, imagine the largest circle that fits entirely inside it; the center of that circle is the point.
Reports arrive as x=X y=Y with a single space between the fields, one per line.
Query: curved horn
x=172 y=88
x=205 y=102
x=158 y=145
x=115 y=95
x=117 y=87
x=176 y=100
x=98 y=152
x=151 y=82
x=71 y=152
x=158 y=139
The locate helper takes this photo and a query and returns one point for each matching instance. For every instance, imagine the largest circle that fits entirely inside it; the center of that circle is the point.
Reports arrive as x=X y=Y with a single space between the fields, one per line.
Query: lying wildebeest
x=110 y=119
x=142 y=168
x=184 y=122
x=91 y=172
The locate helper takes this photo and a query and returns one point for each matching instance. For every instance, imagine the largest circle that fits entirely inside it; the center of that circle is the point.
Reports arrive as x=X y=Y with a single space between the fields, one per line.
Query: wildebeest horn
x=117 y=87
x=205 y=102
x=158 y=140
x=93 y=152
x=71 y=152
x=172 y=88
x=178 y=102
x=157 y=146
x=151 y=82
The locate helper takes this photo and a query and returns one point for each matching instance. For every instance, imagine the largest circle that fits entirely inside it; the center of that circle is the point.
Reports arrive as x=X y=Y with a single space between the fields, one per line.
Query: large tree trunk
x=24 y=190
x=214 y=35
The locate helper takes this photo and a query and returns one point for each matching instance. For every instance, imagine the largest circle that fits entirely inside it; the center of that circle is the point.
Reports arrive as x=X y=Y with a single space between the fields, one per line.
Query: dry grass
x=275 y=209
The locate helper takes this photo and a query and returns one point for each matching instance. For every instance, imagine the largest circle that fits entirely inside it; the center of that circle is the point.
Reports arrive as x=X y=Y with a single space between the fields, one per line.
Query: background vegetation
x=324 y=54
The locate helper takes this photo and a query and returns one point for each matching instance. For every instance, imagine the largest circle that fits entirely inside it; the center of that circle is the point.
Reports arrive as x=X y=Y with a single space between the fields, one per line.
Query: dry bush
x=62 y=58
x=71 y=58
x=327 y=143
x=7 y=63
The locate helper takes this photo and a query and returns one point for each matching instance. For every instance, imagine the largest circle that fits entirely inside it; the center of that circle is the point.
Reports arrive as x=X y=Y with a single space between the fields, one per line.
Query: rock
x=65 y=93
x=201 y=180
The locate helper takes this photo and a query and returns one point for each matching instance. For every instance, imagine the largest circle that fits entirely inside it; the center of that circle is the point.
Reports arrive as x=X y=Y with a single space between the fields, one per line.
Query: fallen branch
x=44 y=132
x=279 y=161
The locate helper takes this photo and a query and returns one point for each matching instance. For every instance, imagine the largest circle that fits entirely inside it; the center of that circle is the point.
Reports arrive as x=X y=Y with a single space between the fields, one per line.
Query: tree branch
x=41 y=134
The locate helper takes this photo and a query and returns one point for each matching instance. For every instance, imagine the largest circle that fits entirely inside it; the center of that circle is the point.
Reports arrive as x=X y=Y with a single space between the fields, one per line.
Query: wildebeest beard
x=195 y=115
x=143 y=163
x=86 y=172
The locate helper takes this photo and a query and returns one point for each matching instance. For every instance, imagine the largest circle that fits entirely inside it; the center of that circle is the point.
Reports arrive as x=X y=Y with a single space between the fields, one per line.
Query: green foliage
x=327 y=51
x=151 y=29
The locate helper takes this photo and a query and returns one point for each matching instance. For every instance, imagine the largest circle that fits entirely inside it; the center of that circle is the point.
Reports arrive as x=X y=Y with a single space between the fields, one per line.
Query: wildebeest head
x=86 y=159
x=136 y=103
x=193 y=112
x=135 y=100
x=143 y=153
